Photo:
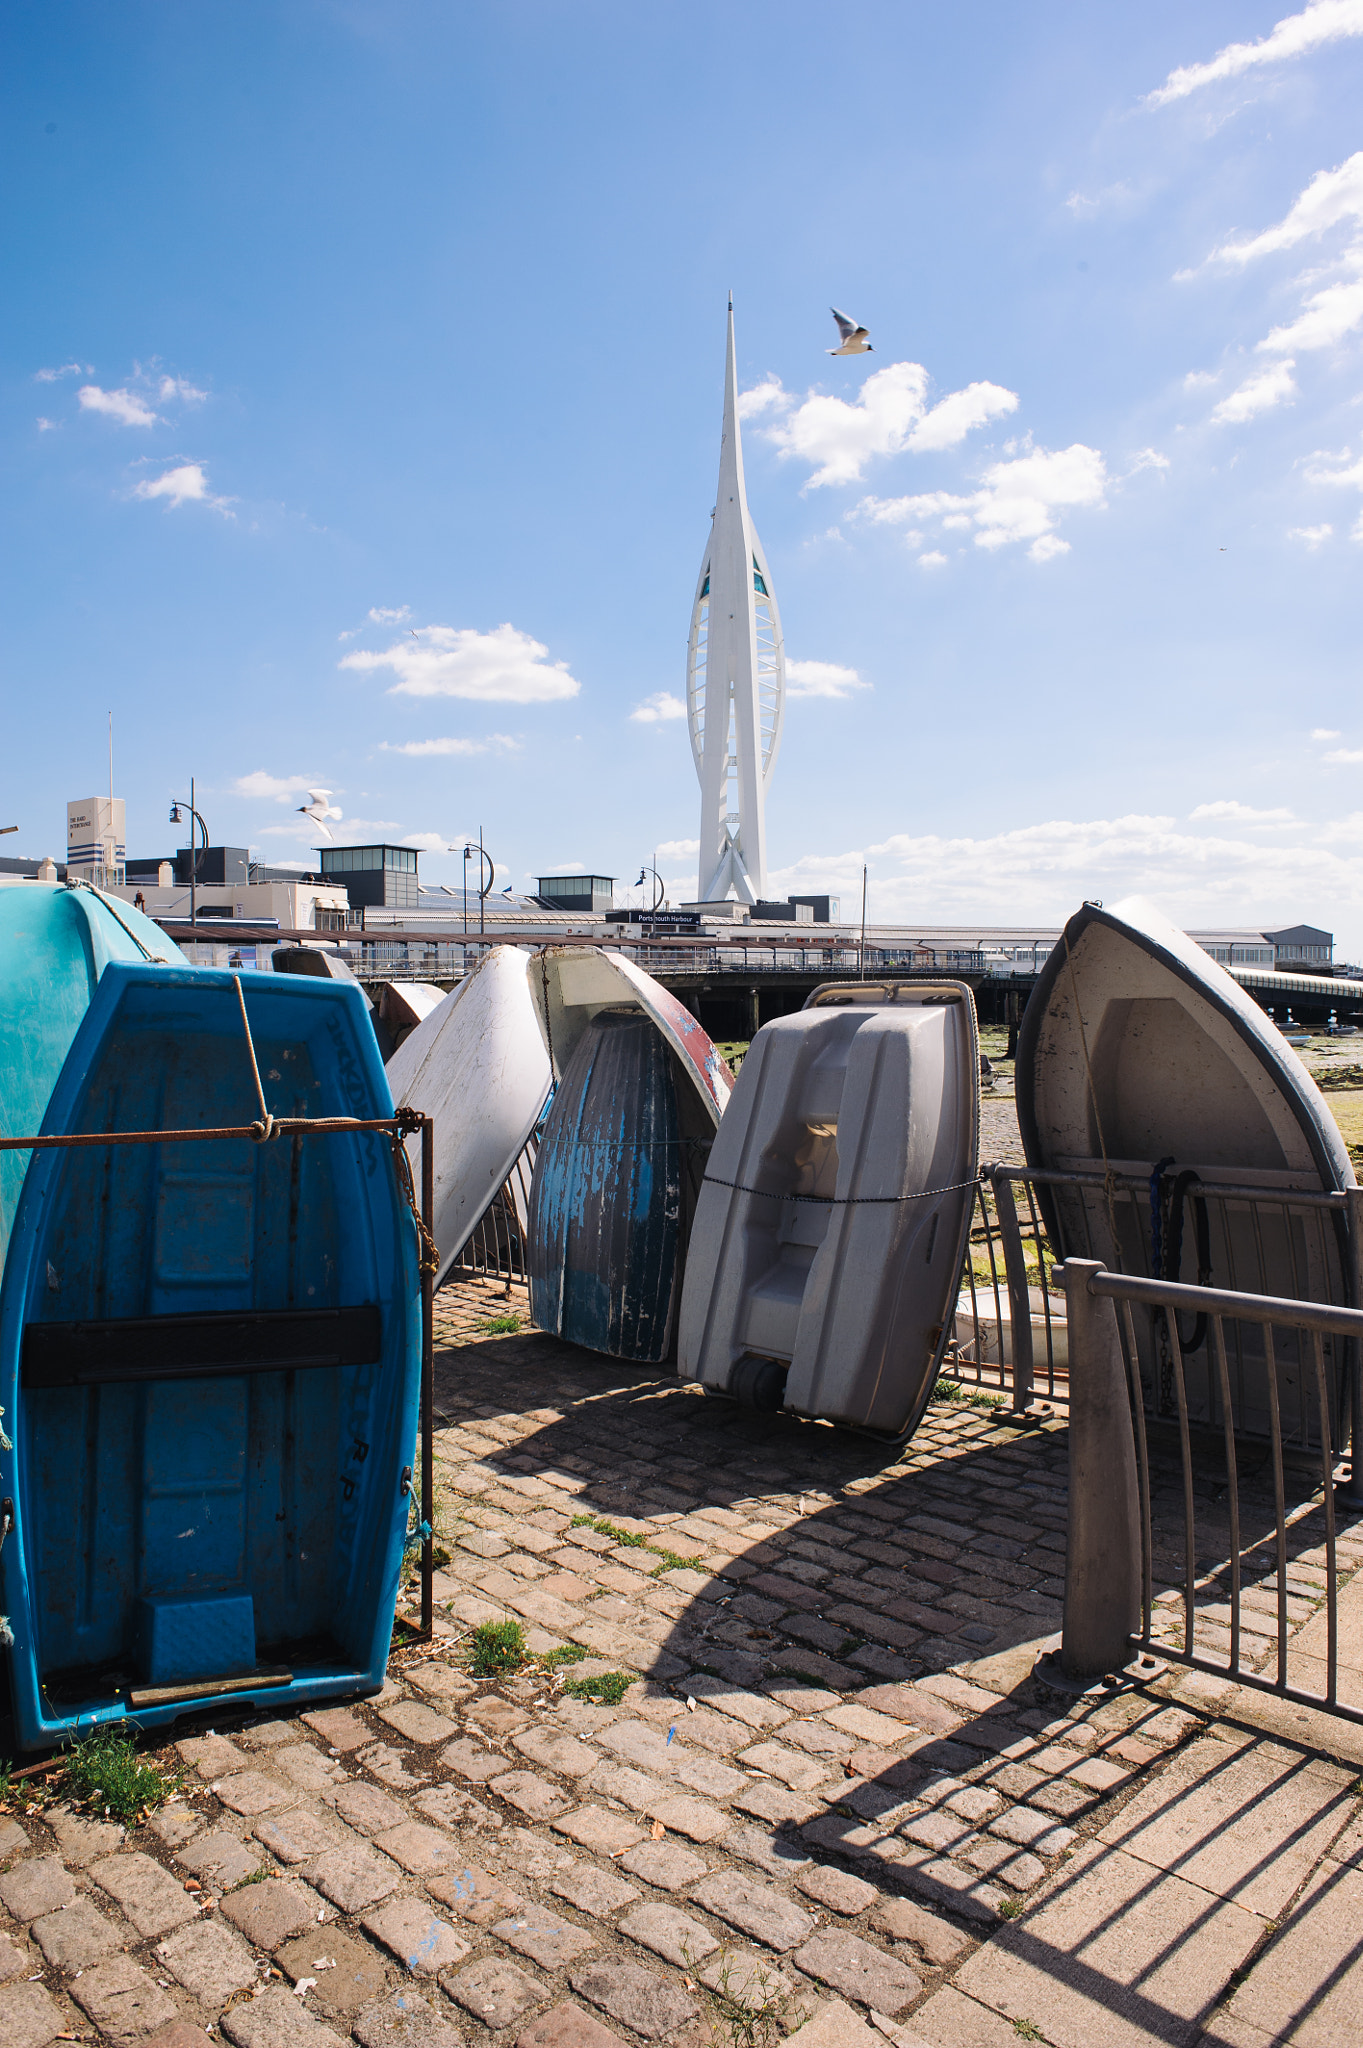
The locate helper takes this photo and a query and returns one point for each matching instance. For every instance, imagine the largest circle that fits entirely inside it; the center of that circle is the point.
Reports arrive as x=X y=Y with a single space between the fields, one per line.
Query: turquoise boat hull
x=210 y=1362
x=55 y=943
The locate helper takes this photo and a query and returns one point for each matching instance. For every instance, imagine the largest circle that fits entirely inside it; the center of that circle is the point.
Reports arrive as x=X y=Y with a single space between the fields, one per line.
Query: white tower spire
x=735 y=679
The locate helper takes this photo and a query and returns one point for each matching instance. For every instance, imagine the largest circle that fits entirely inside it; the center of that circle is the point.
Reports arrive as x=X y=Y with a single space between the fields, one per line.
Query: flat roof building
x=383 y=877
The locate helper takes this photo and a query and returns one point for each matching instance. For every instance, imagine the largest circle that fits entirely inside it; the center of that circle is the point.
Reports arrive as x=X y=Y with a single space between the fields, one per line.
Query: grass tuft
x=603 y=1689
x=106 y=1772
x=495 y=1648
x=566 y=1653
x=671 y=1561
x=1009 y=1909
x=500 y=1326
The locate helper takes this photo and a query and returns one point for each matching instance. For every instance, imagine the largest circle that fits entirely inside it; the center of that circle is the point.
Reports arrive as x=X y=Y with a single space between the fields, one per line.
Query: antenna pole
x=861 y=956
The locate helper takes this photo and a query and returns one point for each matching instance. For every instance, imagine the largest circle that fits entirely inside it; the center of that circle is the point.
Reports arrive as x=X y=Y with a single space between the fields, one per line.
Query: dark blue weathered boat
x=209 y=1363
x=612 y=1183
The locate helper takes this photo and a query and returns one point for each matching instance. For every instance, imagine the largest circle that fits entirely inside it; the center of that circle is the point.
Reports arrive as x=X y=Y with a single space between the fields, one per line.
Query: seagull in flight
x=851 y=337
x=319 y=808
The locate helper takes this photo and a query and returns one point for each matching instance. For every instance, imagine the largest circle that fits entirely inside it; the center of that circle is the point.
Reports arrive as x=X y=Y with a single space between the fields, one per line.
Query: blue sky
x=362 y=387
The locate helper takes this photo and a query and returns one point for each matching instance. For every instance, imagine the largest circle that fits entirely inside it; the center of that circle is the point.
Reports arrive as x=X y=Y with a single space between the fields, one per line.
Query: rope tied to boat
x=406 y=1122
x=842 y=1201
x=263 y=1131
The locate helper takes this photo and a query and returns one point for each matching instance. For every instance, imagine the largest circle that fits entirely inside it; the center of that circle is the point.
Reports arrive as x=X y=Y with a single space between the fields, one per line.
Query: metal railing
x=1264 y=1528
x=1011 y=1333
x=496 y=1247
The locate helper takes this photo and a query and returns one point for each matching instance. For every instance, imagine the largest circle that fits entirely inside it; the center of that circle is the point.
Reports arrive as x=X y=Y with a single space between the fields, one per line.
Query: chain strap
x=408 y=1122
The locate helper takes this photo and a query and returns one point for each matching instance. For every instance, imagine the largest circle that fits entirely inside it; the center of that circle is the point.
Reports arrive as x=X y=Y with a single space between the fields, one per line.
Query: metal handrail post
x=428 y=1379
x=1019 y=1298
x=1103 y=1534
x=1351 y=1493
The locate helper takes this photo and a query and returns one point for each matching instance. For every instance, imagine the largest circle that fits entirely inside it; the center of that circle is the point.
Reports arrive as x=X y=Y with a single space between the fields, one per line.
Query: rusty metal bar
x=428 y=1380
x=284 y=1127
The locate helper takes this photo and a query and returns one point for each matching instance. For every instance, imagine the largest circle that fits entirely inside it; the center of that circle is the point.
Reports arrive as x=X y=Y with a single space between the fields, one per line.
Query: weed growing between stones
x=1028 y=2030
x=105 y=1771
x=500 y=1326
x=566 y=1653
x=748 y=2015
x=1009 y=1909
x=671 y=1562
x=603 y=1689
x=496 y=1648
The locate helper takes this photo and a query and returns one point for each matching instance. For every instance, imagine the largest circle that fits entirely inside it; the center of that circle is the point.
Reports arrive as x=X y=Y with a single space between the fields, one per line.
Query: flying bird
x=319 y=808
x=852 y=338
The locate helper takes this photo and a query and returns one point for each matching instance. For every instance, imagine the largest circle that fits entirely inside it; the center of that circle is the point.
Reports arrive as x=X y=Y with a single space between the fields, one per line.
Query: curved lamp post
x=481 y=855
x=658 y=884
x=178 y=805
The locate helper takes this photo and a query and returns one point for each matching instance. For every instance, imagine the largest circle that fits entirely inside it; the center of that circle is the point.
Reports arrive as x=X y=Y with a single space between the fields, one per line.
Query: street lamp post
x=178 y=805
x=470 y=851
x=658 y=883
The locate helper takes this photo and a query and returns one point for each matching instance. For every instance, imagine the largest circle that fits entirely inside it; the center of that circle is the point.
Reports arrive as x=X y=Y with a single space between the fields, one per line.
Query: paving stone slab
x=13 y=1839
x=835 y=2025
x=1112 y=1952
x=496 y=1716
x=742 y=1978
x=550 y=1942
x=1307 y=1986
x=178 y=2034
x=340 y=1728
x=530 y=1794
x=422 y=1850
x=368 y=1810
x=694 y=1818
x=567 y=2026
x=421 y=1941
x=277 y=2020
x=149 y=1896
x=768 y=1916
x=846 y=1963
x=36 y=1887
x=211 y=1756
x=121 y=1999
x=29 y=2016
x=664 y=1864
x=772 y=1849
x=211 y=1961
x=419 y=1723
x=75 y=1937
x=353 y=1878
x=475 y=1896
x=675 y=1936
x=594 y=1891
x=778 y=1804
x=349 y=1974
x=251 y=1792
x=298 y=1834
x=837 y=1889
x=494 y=1990
x=14 y=1961
x=306 y=1769
x=1248 y=1824
x=596 y=1827
x=555 y=1750
x=220 y=1858
x=174 y=1825
x=647 y=2004
x=270 y=1913
x=79 y=1841
x=405 y=2021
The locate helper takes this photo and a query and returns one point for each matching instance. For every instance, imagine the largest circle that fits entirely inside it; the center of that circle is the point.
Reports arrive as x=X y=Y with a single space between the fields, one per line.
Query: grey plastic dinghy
x=1152 y=1083
x=832 y=1222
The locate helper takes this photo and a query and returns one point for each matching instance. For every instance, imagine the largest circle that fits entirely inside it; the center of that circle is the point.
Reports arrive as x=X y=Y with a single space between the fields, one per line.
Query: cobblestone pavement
x=832 y=1799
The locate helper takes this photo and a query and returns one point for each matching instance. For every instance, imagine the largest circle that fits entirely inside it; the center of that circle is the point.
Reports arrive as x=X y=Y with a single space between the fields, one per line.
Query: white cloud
x=504 y=666
x=889 y=416
x=1326 y=317
x=499 y=741
x=355 y=831
x=1313 y=536
x=1259 y=393
x=676 y=849
x=46 y=426
x=1017 y=500
x=660 y=706
x=1344 y=757
x=389 y=615
x=1320 y=22
x=770 y=392
x=1350 y=474
x=1229 y=811
x=261 y=786
x=821 y=679
x=428 y=842
x=1331 y=197
x=1083 y=205
x=932 y=560
x=176 y=387
x=51 y=376
x=1148 y=458
x=124 y=406
x=186 y=484
x=1324 y=732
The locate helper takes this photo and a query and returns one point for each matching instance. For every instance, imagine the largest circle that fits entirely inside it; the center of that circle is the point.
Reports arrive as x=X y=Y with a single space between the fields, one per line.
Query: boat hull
x=210 y=1352
x=831 y=1225
x=1138 y=1051
x=479 y=1067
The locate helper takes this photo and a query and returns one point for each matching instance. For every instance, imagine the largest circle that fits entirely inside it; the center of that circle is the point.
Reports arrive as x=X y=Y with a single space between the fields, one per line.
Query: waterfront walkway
x=833 y=1800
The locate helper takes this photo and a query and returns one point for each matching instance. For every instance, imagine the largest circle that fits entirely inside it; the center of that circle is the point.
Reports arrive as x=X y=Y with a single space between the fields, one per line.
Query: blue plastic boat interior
x=210 y=1362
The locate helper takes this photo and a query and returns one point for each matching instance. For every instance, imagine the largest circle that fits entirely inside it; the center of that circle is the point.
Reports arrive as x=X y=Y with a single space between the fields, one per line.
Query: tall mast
x=736 y=676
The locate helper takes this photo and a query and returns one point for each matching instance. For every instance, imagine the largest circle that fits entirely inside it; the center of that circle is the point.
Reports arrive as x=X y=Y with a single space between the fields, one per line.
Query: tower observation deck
x=735 y=679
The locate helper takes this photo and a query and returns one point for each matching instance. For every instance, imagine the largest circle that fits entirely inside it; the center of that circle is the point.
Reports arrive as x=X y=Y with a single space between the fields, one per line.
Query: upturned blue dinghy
x=210 y=1359
x=55 y=942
